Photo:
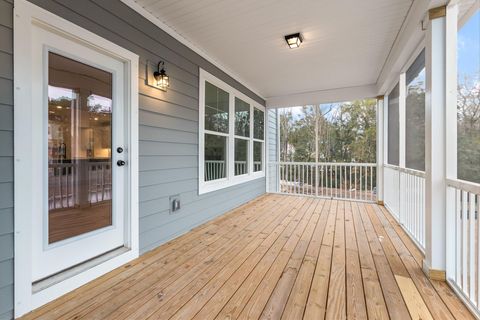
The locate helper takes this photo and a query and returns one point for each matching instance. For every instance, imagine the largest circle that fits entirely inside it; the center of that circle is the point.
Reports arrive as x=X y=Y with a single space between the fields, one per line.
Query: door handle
x=120 y=163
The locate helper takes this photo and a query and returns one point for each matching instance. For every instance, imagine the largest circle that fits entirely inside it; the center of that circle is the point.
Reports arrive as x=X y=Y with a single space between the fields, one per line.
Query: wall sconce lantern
x=161 y=78
x=294 y=40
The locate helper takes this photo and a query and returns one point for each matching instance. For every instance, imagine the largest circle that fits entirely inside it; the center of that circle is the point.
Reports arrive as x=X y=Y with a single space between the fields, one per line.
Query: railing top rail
x=413 y=172
x=468 y=186
x=353 y=164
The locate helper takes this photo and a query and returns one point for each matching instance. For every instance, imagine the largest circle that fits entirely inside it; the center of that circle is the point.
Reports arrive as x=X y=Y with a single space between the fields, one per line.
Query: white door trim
x=25 y=16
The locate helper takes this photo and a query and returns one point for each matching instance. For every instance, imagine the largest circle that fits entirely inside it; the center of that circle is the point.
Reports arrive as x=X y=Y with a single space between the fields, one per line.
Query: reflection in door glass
x=79 y=148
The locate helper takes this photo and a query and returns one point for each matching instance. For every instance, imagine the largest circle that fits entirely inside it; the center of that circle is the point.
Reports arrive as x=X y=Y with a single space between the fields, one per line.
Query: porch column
x=434 y=264
x=380 y=147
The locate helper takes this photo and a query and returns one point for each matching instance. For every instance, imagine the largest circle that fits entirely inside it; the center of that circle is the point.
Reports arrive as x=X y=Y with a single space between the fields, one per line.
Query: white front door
x=79 y=153
x=76 y=156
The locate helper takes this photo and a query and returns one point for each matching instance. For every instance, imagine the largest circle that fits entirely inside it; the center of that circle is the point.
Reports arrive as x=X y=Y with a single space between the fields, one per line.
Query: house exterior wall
x=168 y=128
x=6 y=159
x=272 y=149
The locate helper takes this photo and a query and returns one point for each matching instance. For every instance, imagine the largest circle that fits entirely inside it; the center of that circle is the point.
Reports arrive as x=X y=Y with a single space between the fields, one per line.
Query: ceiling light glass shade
x=161 y=78
x=294 y=40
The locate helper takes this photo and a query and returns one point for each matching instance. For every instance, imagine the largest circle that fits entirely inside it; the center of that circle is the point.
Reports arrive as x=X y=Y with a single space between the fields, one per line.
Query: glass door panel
x=79 y=148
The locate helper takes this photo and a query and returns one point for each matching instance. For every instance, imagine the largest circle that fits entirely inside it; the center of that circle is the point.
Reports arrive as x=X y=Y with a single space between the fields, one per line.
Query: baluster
x=361 y=185
x=458 y=236
x=303 y=179
x=371 y=183
x=471 y=248
x=464 y=240
x=477 y=236
x=355 y=181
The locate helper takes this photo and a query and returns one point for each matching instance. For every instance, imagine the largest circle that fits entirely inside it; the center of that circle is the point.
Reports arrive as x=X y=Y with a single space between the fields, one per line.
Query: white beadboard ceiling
x=346 y=42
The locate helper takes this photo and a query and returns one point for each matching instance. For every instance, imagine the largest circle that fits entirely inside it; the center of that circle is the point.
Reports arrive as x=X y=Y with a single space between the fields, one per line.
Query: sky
x=468 y=44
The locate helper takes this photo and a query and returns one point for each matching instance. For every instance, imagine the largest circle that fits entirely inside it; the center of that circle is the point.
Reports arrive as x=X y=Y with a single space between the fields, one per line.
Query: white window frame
x=26 y=16
x=231 y=179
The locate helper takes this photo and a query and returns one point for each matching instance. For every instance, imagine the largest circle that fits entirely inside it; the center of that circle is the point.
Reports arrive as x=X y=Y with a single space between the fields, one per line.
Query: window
x=242 y=134
x=415 y=115
x=468 y=93
x=393 y=127
x=216 y=132
x=231 y=136
x=258 y=128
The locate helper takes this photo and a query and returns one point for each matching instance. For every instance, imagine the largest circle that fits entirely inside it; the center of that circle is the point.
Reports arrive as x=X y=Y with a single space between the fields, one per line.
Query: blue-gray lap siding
x=168 y=129
x=272 y=149
x=6 y=159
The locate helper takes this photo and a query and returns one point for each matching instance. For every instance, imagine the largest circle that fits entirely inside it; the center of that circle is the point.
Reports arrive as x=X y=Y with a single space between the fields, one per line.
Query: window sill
x=210 y=186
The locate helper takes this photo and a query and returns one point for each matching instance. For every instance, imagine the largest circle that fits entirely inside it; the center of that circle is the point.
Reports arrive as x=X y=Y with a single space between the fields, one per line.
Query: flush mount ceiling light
x=294 y=40
x=161 y=78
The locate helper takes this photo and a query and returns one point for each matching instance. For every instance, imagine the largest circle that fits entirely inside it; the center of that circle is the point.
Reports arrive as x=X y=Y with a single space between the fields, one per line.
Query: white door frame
x=26 y=16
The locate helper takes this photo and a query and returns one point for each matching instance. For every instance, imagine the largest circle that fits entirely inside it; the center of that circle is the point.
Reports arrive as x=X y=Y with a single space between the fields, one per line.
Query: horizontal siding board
x=6 y=300
x=170 y=95
x=6 y=117
x=6 y=217
x=166 y=176
x=6 y=89
x=6 y=37
x=7 y=315
x=6 y=141
x=6 y=169
x=6 y=247
x=6 y=65
x=6 y=14
x=153 y=105
x=166 y=162
x=6 y=195
x=166 y=135
x=158 y=120
x=155 y=206
x=6 y=273
x=152 y=148
x=159 y=191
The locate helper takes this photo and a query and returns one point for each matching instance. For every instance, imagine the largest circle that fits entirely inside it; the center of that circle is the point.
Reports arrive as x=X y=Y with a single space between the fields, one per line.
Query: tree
x=468 y=129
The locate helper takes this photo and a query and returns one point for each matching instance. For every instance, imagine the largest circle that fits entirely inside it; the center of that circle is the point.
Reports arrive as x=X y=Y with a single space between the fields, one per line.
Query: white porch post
x=402 y=105
x=451 y=129
x=434 y=263
x=380 y=146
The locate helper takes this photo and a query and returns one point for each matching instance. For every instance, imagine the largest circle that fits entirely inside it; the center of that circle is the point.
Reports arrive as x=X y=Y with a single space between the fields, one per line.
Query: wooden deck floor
x=277 y=257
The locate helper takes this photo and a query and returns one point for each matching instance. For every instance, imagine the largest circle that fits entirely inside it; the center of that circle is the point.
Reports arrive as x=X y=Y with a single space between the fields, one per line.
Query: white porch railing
x=463 y=235
x=405 y=198
x=67 y=182
x=332 y=180
x=216 y=169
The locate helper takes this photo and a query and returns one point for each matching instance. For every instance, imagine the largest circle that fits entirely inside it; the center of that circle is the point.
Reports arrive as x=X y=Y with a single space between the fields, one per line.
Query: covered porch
x=278 y=256
x=191 y=210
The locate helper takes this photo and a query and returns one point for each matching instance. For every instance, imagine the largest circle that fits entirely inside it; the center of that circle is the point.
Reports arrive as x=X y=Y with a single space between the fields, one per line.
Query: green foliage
x=346 y=132
x=468 y=130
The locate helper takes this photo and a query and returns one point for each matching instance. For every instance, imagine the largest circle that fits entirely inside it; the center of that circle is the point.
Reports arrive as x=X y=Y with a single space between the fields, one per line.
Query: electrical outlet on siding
x=175 y=204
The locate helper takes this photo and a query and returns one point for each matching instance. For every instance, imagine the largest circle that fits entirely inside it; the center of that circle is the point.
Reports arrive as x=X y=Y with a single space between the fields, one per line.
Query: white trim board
x=323 y=96
x=150 y=17
x=27 y=17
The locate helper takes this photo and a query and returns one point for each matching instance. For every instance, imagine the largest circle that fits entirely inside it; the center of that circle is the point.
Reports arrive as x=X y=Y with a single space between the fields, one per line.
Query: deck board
x=276 y=257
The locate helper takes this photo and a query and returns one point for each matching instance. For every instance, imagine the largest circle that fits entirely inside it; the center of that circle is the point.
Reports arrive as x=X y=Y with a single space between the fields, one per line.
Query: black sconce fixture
x=294 y=40
x=161 y=78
